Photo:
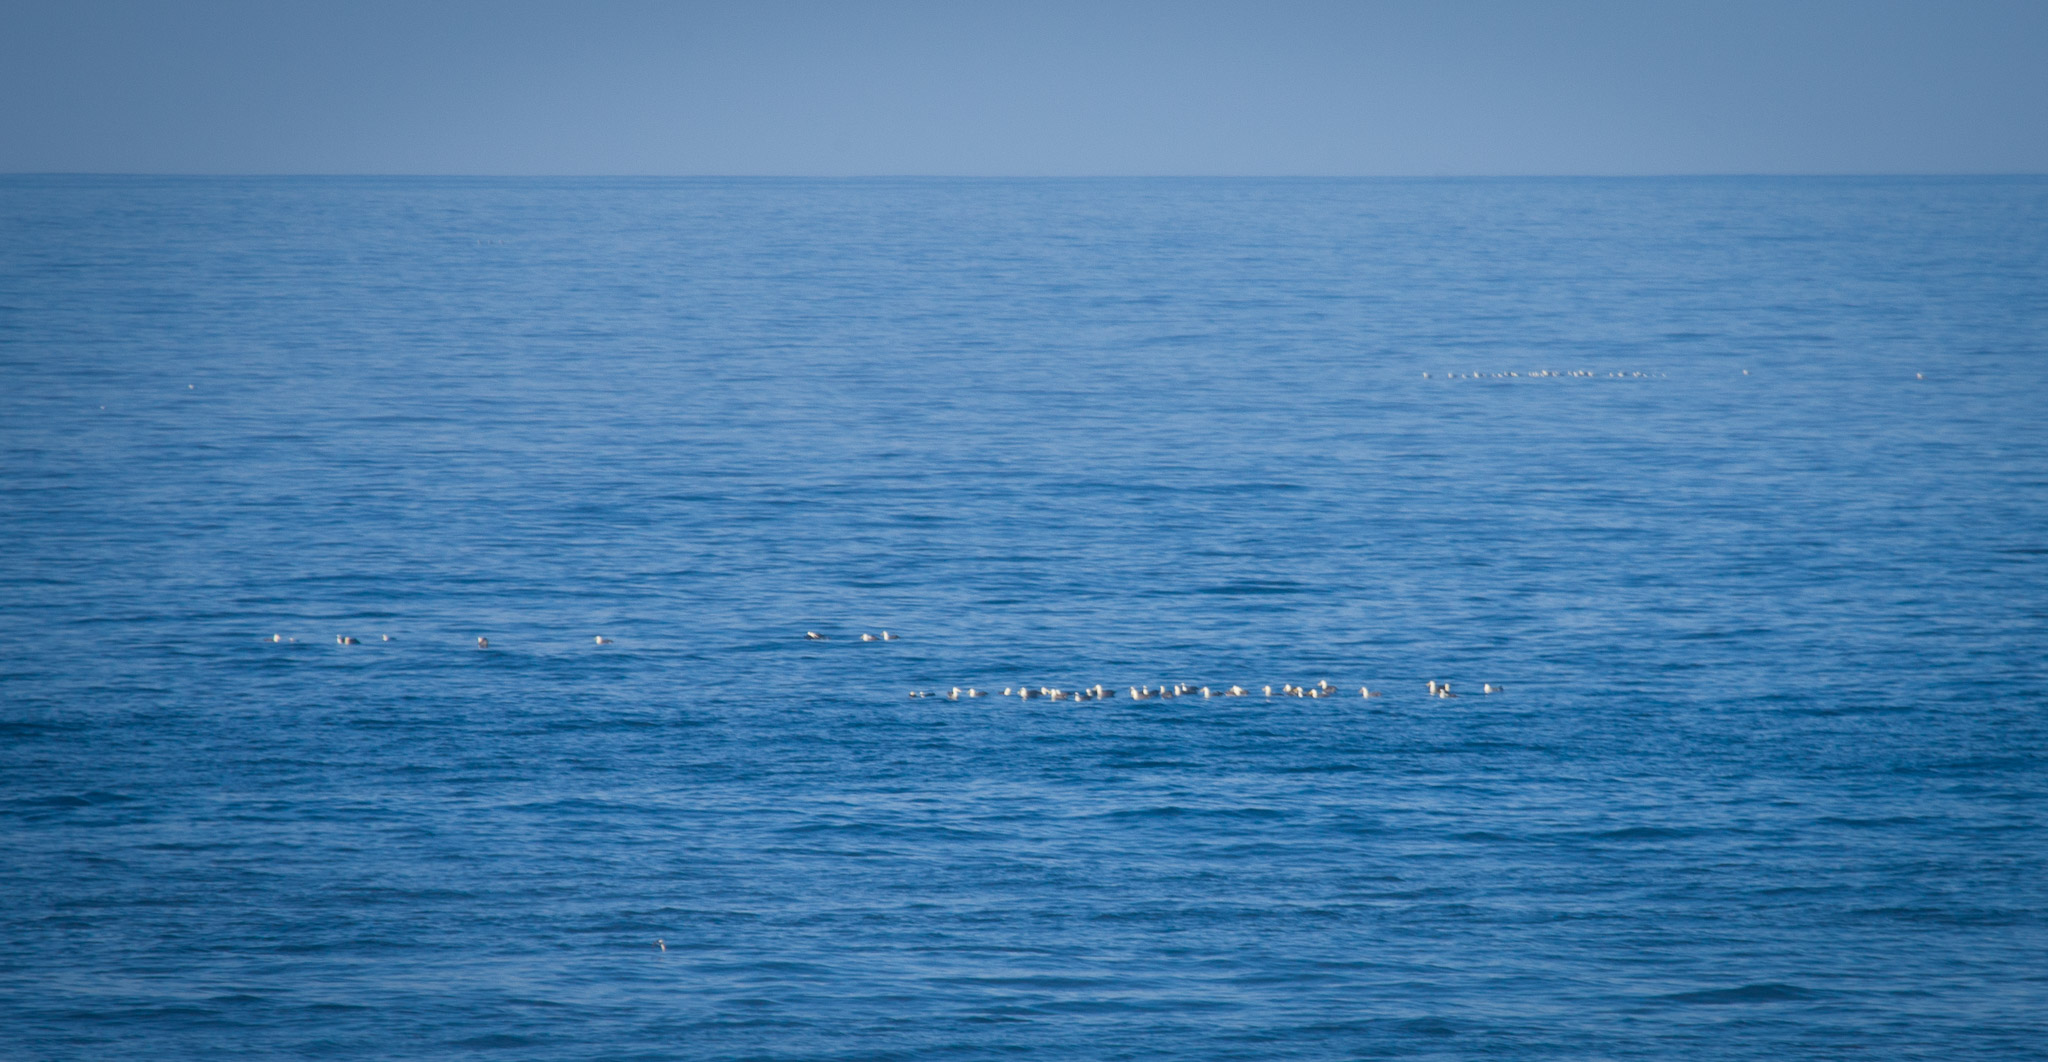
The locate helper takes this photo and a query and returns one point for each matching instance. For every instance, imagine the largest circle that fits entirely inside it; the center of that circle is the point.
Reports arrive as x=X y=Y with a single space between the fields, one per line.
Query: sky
x=1017 y=88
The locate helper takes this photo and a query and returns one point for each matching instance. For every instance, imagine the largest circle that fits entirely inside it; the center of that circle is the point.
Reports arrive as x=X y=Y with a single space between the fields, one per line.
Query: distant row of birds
x=1099 y=692
x=1580 y=374
x=349 y=639
x=485 y=643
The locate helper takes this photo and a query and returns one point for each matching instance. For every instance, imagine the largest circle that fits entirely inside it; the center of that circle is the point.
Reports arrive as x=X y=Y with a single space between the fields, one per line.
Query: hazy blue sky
x=1025 y=88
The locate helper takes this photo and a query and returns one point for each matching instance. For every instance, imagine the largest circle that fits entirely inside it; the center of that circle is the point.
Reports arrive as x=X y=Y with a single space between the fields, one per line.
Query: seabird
x=277 y=637
x=602 y=640
x=659 y=943
x=1490 y=688
x=814 y=636
x=343 y=639
x=867 y=637
x=887 y=637
x=483 y=643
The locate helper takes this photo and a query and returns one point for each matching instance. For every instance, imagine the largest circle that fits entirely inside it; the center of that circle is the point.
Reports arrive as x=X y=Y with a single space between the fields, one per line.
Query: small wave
x=1643 y=833
x=495 y=1040
x=1766 y=992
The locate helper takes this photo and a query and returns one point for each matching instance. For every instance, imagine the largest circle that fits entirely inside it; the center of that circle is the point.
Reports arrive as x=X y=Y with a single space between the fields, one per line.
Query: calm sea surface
x=1739 y=488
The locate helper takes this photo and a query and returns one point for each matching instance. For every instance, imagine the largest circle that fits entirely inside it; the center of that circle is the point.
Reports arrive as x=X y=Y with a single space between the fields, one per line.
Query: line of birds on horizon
x=1580 y=374
x=485 y=643
x=349 y=639
x=1099 y=692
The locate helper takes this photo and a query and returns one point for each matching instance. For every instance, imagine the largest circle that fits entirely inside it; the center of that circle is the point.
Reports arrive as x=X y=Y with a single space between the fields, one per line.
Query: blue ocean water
x=1737 y=487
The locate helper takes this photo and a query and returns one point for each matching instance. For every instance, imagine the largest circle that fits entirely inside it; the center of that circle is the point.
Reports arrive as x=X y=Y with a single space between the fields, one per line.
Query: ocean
x=1734 y=489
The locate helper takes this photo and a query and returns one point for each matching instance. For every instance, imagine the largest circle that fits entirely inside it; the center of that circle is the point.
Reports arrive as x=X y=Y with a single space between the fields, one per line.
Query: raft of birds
x=1539 y=374
x=348 y=639
x=1099 y=692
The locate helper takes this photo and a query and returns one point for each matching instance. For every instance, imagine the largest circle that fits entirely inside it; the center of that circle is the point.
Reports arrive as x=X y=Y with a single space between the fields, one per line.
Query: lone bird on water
x=602 y=640
x=814 y=636
x=483 y=643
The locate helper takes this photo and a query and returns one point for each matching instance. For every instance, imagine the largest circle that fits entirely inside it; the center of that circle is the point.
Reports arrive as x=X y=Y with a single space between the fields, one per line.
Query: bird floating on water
x=343 y=639
x=660 y=943
x=867 y=637
x=887 y=637
x=815 y=636
x=483 y=643
x=602 y=640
